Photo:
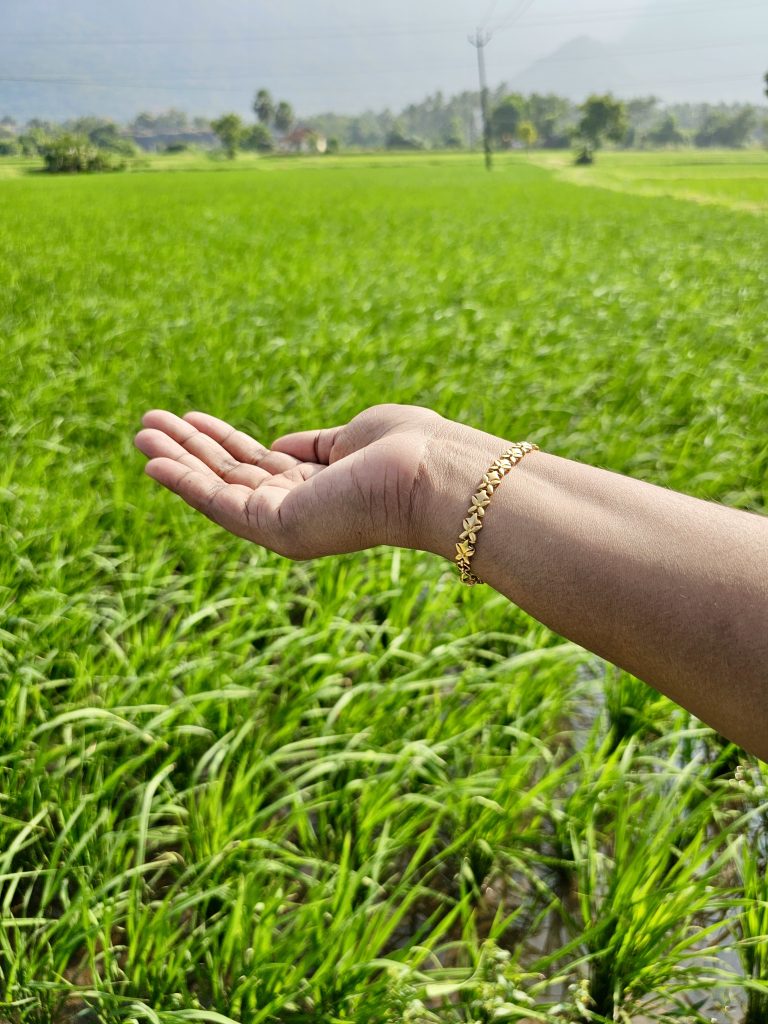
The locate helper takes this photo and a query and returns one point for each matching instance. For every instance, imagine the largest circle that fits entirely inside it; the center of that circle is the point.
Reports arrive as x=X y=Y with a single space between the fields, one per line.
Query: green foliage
x=666 y=132
x=264 y=107
x=527 y=133
x=284 y=116
x=720 y=129
x=240 y=789
x=168 y=122
x=76 y=154
x=230 y=130
x=506 y=117
x=397 y=139
x=602 y=118
x=257 y=138
x=550 y=116
x=454 y=137
x=108 y=138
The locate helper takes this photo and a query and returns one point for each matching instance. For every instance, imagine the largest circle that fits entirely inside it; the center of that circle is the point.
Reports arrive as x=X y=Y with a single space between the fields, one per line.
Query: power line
x=317 y=35
x=494 y=4
x=188 y=77
x=630 y=14
x=516 y=15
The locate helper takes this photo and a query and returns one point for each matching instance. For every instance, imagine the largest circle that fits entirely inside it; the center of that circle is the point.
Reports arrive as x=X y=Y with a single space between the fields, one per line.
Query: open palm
x=314 y=492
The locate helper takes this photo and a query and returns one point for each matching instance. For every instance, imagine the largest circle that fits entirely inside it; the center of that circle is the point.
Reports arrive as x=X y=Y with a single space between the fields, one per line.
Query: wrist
x=456 y=458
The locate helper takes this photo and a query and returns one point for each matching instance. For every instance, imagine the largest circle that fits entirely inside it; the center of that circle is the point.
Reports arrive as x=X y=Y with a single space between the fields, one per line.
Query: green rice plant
x=646 y=913
x=751 y=924
x=234 y=788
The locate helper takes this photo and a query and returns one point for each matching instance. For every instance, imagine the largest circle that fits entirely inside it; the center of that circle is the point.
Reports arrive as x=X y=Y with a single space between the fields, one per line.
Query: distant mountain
x=65 y=59
x=668 y=52
x=577 y=68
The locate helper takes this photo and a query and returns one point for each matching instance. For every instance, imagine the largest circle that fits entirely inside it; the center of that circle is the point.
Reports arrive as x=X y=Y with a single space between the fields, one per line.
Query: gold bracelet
x=473 y=523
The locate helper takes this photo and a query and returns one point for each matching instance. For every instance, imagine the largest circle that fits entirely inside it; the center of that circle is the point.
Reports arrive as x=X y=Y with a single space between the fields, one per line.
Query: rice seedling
x=238 y=789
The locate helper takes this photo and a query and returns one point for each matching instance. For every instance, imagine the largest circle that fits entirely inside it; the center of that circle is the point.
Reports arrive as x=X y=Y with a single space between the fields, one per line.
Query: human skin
x=671 y=588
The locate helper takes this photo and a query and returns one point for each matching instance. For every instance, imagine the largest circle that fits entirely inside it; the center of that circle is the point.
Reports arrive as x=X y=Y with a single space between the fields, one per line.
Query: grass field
x=239 y=789
x=736 y=179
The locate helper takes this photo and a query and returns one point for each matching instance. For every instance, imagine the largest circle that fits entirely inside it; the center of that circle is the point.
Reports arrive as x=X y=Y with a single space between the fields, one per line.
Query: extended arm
x=669 y=587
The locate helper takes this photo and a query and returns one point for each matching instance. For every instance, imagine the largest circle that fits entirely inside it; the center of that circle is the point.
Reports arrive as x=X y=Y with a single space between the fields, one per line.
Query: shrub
x=76 y=154
x=396 y=139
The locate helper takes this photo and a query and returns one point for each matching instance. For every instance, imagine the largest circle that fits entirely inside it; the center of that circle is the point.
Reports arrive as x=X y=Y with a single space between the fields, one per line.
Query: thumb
x=310 y=445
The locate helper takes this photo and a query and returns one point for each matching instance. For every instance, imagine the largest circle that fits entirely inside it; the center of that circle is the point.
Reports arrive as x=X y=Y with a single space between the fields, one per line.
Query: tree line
x=546 y=121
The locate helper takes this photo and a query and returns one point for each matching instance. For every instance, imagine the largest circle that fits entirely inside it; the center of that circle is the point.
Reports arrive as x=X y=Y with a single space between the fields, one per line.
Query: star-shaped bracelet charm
x=464 y=550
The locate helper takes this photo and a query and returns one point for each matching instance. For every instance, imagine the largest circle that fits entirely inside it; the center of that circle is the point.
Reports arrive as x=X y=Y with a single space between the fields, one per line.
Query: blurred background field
x=239 y=789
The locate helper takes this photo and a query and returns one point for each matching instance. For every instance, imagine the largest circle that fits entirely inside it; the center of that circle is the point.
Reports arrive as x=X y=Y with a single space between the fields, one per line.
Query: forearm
x=671 y=588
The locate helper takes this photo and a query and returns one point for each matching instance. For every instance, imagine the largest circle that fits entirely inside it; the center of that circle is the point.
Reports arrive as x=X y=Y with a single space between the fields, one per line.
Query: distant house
x=302 y=139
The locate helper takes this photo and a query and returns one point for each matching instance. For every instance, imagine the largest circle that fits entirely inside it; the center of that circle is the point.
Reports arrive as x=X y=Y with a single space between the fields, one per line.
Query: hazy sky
x=347 y=55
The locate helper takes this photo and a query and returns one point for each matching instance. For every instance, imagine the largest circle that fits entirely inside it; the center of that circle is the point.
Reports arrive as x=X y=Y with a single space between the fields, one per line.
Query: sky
x=96 y=56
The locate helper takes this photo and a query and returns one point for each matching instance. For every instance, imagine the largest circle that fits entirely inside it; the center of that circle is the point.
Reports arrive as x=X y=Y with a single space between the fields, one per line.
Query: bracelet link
x=473 y=521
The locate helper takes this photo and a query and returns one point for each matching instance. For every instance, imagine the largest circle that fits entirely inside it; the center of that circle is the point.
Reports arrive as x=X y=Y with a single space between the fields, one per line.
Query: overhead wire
x=515 y=16
x=209 y=75
x=317 y=35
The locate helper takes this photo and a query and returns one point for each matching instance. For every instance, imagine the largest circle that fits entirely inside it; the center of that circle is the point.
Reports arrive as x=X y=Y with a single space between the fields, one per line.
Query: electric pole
x=480 y=40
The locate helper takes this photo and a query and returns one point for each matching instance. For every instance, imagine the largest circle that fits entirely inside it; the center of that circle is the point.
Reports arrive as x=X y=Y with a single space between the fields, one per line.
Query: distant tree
x=169 y=122
x=602 y=117
x=549 y=115
x=527 y=133
x=666 y=132
x=283 y=116
x=729 y=131
x=366 y=131
x=31 y=143
x=264 y=107
x=35 y=124
x=108 y=137
x=506 y=117
x=454 y=137
x=229 y=128
x=333 y=146
x=642 y=111
x=257 y=138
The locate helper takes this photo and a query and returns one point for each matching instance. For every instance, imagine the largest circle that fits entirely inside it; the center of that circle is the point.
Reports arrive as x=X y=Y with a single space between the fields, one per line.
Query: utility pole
x=480 y=40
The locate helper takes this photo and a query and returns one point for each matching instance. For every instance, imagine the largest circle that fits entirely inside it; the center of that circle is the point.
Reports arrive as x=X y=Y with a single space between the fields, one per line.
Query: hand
x=315 y=492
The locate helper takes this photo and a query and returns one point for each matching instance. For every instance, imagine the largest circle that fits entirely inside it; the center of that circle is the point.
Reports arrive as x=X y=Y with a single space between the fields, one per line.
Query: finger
x=238 y=445
x=155 y=445
x=226 y=504
x=252 y=514
x=211 y=452
x=308 y=445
